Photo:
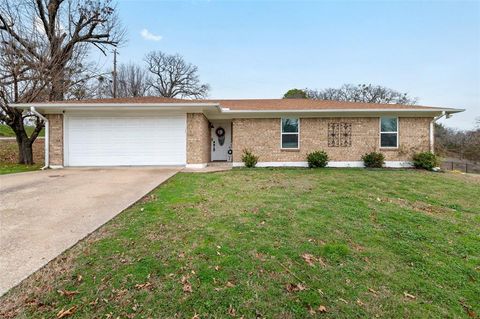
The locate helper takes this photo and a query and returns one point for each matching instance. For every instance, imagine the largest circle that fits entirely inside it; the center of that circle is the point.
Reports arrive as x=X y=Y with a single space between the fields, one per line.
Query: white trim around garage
x=390 y=164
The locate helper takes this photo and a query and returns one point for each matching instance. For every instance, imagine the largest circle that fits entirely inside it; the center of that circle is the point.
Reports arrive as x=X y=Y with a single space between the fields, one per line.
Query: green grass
x=6 y=131
x=17 y=168
x=384 y=243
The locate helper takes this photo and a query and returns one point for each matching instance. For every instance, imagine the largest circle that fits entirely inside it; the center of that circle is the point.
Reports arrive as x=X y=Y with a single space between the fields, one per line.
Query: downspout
x=432 y=134
x=47 y=137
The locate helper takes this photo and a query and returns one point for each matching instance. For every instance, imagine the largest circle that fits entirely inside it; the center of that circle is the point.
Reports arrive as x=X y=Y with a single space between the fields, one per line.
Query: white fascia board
x=226 y=113
x=60 y=107
x=216 y=111
x=449 y=110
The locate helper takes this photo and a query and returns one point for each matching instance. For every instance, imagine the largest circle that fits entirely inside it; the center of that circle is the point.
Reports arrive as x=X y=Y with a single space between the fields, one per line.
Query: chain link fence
x=461 y=165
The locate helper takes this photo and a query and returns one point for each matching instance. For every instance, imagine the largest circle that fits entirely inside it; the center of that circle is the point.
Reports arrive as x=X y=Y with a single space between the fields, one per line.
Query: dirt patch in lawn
x=422 y=207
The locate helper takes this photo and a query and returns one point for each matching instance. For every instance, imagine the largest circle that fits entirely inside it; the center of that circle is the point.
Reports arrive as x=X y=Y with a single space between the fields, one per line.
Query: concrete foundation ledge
x=196 y=166
x=390 y=164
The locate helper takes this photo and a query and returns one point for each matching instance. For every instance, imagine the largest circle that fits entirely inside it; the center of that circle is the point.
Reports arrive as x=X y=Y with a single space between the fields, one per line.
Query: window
x=389 y=132
x=290 y=129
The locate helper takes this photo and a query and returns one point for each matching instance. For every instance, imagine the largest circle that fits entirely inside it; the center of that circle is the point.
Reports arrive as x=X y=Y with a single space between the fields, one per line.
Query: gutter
x=47 y=137
x=110 y=105
x=432 y=133
x=229 y=111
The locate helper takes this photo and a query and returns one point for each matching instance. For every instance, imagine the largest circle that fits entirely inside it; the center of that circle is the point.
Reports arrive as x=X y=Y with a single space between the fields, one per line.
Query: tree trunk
x=57 y=89
x=25 y=150
x=56 y=92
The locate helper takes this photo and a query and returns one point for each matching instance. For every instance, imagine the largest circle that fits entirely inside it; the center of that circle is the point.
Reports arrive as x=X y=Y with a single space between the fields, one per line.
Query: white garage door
x=125 y=140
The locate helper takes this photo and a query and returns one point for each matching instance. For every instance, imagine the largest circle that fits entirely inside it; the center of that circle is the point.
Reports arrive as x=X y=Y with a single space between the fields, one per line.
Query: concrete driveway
x=43 y=213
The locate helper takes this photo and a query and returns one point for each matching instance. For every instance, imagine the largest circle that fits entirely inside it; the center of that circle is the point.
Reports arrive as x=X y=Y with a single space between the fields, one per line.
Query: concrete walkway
x=44 y=213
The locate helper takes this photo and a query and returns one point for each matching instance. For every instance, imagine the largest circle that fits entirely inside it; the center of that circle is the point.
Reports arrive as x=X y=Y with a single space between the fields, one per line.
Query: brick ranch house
x=193 y=133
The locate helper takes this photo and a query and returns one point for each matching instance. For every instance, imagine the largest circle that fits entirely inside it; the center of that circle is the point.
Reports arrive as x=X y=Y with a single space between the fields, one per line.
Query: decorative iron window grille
x=339 y=134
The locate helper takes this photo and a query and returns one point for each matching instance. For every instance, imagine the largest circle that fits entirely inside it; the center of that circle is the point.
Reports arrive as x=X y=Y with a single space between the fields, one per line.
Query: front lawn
x=6 y=168
x=6 y=131
x=275 y=243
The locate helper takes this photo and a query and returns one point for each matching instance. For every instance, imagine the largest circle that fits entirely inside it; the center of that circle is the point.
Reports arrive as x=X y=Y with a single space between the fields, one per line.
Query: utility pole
x=114 y=73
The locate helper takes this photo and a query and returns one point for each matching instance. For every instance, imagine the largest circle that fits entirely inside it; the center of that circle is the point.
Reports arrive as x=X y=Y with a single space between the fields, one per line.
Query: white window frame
x=380 y=131
x=281 y=133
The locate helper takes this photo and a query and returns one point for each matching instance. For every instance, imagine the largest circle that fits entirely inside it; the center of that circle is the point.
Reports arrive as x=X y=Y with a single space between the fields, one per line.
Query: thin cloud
x=147 y=35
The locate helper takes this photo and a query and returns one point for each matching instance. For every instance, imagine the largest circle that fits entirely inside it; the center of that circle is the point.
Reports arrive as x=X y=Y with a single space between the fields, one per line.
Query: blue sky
x=260 y=49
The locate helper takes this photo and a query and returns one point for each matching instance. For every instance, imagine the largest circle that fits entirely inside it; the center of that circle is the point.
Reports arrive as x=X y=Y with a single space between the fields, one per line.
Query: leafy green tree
x=295 y=94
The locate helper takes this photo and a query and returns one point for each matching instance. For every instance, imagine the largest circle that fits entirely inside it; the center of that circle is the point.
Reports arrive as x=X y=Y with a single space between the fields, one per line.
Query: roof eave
x=60 y=107
x=418 y=112
x=218 y=109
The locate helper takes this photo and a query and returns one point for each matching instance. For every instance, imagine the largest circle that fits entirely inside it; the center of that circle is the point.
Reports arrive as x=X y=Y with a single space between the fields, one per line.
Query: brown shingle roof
x=256 y=104
x=304 y=104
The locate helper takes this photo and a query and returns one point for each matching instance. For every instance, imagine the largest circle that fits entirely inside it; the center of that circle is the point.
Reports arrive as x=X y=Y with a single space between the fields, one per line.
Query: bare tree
x=132 y=81
x=172 y=76
x=42 y=42
x=463 y=144
x=366 y=93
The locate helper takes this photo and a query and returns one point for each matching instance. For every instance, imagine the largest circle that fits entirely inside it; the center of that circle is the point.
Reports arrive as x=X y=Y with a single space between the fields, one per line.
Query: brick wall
x=56 y=139
x=198 y=139
x=262 y=136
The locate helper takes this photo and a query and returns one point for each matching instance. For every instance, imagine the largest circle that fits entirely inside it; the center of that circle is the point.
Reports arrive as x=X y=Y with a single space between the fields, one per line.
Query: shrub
x=373 y=160
x=249 y=159
x=317 y=159
x=426 y=160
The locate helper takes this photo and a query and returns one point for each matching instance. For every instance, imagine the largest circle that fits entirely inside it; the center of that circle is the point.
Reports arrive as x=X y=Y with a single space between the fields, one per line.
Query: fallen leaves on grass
x=230 y=284
x=65 y=313
x=468 y=310
x=146 y=285
x=260 y=256
x=356 y=246
x=373 y=291
x=94 y=303
x=311 y=260
x=67 y=293
x=409 y=296
x=320 y=309
x=295 y=287
x=231 y=311
x=360 y=303
x=187 y=287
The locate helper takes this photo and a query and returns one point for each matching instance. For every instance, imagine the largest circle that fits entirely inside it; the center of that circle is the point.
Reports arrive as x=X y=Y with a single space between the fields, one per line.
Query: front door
x=221 y=141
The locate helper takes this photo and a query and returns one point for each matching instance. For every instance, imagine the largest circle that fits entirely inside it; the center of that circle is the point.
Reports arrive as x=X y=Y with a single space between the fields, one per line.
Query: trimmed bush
x=249 y=159
x=317 y=159
x=426 y=160
x=373 y=160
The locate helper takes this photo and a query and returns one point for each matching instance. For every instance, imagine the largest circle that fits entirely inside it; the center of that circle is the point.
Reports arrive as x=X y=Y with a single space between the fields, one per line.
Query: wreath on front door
x=220 y=131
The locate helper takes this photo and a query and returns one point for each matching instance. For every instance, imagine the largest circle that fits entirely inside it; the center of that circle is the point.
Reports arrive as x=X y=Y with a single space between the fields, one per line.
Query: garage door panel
x=114 y=141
